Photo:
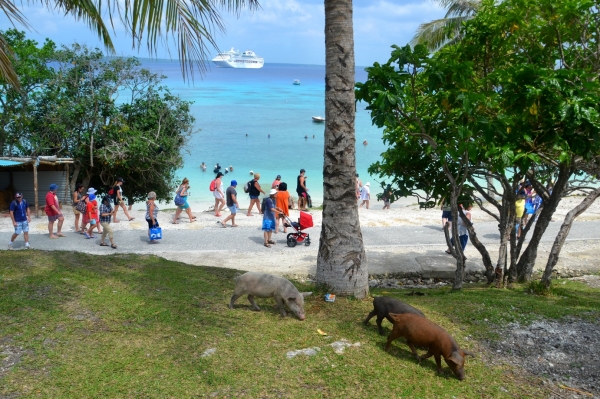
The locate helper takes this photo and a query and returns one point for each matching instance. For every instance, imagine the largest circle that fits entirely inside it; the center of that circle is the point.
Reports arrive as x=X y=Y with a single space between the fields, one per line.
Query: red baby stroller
x=305 y=221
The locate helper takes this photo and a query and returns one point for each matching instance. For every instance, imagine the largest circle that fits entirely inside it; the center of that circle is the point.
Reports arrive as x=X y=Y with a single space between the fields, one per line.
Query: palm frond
x=436 y=34
x=88 y=11
x=440 y=32
x=7 y=71
x=13 y=13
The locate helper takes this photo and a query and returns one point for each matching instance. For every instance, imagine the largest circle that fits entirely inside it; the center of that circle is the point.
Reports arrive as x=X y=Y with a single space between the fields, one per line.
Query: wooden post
x=35 y=189
x=68 y=184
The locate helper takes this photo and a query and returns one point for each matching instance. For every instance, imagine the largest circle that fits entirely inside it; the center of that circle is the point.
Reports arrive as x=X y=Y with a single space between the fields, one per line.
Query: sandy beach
x=402 y=213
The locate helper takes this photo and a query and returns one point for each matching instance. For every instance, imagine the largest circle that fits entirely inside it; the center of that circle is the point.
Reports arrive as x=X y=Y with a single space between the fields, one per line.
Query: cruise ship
x=233 y=59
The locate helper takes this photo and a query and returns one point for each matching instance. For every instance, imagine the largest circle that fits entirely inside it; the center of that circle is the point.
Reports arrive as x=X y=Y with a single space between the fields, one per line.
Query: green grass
x=128 y=326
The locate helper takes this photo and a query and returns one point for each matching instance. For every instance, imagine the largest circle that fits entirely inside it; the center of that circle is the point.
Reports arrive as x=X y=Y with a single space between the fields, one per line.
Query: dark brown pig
x=419 y=331
x=383 y=306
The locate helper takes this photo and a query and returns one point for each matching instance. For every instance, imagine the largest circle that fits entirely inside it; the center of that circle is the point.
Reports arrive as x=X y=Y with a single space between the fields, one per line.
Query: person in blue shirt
x=19 y=213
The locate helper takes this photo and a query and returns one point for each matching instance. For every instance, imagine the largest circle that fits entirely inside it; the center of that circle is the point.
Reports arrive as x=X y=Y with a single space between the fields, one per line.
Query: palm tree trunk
x=341 y=262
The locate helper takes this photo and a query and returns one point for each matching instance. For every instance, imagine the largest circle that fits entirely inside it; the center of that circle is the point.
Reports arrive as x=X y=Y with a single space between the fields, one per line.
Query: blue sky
x=282 y=31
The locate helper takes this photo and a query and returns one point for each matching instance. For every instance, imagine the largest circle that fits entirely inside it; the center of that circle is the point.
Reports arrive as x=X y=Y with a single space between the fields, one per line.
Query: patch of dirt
x=10 y=355
x=562 y=353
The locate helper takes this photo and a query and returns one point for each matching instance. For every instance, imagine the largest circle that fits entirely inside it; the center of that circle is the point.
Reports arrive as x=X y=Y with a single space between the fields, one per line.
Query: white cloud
x=288 y=31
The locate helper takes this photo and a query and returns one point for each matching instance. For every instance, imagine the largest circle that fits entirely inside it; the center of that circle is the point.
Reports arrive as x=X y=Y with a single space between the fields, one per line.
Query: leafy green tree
x=518 y=92
x=76 y=112
x=32 y=66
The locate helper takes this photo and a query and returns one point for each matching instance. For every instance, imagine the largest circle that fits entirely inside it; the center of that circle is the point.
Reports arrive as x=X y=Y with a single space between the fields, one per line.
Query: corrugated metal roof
x=4 y=163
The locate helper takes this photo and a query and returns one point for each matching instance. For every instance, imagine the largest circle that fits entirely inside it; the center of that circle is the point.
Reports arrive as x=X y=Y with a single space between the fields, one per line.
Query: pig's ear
x=395 y=317
x=456 y=358
x=305 y=294
x=465 y=352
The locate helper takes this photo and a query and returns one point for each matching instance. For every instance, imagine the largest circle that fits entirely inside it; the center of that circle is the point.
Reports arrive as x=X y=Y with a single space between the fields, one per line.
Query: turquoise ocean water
x=232 y=103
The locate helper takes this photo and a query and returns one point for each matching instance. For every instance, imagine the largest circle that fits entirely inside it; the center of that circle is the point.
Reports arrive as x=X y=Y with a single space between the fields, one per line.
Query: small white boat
x=296 y=82
x=318 y=119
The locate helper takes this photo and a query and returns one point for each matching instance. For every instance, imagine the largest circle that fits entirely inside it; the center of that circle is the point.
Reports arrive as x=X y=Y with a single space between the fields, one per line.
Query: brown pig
x=419 y=331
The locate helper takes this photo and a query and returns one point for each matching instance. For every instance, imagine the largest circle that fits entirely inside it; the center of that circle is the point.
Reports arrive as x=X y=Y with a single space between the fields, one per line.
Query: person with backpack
x=216 y=186
x=254 y=191
x=21 y=217
x=181 y=201
x=92 y=214
x=116 y=192
x=106 y=212
x=77 y=198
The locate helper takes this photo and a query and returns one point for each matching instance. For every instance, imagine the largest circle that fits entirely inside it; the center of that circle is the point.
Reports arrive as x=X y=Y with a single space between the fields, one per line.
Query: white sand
x=404 y=212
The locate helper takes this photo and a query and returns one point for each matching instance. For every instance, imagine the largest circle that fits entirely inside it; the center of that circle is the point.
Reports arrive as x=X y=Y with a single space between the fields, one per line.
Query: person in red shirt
x=53 y=211
x=92 y=214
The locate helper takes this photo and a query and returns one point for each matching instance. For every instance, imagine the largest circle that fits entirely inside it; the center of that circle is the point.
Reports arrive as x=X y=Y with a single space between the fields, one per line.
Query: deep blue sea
x=236 y=111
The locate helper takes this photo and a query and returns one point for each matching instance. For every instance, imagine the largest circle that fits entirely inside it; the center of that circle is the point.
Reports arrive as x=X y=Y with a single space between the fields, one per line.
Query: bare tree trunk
x=564 y=232
x=527 y=260
x=341 y=261
x=455 y=249
x=76 y=169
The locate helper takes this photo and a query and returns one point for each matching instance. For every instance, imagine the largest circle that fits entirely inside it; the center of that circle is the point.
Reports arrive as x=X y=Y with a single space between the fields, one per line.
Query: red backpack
x=213 y=185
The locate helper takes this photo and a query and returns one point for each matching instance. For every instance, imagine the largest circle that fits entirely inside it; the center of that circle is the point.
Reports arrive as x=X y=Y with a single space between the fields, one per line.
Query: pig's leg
x=254 y=305
x=438 y=361
x=280 y=305
x=234 y=298
x=369 y=316
x=413 y=350
x=379 y=320
x=427 y=355
x=391 y=337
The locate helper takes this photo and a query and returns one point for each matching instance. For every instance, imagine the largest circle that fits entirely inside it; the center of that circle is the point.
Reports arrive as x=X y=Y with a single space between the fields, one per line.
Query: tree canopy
x=113 y=117
x=517 y=96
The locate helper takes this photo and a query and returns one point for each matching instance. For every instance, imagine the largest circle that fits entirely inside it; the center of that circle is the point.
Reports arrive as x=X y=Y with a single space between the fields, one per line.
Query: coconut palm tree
x=190 y=24
x=437 y=33
x=341 y=261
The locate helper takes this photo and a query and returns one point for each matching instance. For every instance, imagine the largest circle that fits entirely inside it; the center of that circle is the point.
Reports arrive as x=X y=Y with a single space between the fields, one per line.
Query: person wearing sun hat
x=53 y=212
x=19 y=213
x=92 y=214
x=276 y=182
x=269 y=211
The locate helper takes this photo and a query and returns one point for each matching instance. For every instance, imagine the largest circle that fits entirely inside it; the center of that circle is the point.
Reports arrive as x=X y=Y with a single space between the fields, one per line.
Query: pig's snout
x=301 y=317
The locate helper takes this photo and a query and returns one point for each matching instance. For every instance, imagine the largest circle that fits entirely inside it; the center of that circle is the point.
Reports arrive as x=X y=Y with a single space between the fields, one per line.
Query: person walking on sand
x=282 y=201
x=254 y=192
x=358 y=187
x=118 y=199
x=21 y=217
x=151 y=214
x=301 y=190
x=463 y=233
x=232 y=204
x=92 y=214
x=387 y=197
x=53 y=212
x=268 y=224
x=183 y=193
x=77 y=198
x=446 y=213
x=218 y=194
x=106 y=212
x=365 y=195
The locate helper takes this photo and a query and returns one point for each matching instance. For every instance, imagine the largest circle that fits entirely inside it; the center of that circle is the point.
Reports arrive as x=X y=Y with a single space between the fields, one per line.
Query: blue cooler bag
x=155 y=233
